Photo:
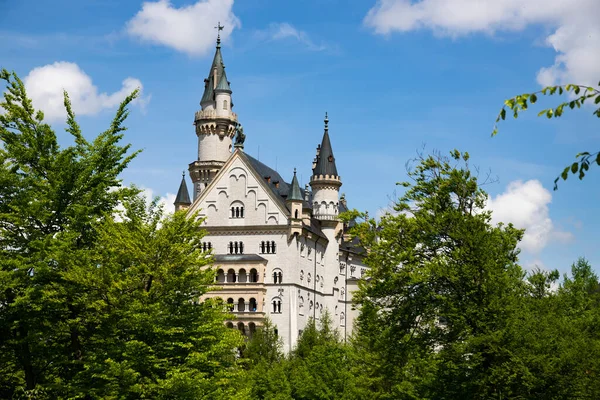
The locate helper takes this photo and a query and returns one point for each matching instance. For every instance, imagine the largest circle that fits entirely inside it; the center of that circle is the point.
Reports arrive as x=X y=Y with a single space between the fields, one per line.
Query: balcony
x=212 y=114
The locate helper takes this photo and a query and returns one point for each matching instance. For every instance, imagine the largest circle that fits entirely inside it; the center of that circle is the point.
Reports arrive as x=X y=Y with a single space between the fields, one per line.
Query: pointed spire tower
x=182 y=201
x=215 y=124
x=294 y=204
x=325 y=181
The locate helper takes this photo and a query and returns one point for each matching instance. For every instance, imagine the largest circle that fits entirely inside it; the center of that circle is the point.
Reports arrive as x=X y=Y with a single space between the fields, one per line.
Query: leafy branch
x=584 y=93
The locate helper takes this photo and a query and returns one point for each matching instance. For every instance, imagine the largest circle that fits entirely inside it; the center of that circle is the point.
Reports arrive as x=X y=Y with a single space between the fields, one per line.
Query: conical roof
x=325 y=160
x=183 y=197
x=223 y=84
x=209 y=83
x=295 y=193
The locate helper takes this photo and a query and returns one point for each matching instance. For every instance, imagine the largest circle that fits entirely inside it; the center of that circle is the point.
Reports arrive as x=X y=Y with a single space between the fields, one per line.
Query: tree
x=442 y=284
x=582 y=94
x=94 y=306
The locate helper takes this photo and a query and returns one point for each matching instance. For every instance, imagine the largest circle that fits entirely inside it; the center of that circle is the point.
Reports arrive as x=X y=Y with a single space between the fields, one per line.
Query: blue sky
x=393 y=76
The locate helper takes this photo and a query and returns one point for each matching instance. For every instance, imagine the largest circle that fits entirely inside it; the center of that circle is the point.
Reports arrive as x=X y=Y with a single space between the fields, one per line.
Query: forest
x=99 y=291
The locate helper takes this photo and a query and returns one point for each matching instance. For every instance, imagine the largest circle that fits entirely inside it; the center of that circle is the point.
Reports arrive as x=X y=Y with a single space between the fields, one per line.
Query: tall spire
x=183 y=196
x=216 y=73
x=325 y=160
x=295 y=193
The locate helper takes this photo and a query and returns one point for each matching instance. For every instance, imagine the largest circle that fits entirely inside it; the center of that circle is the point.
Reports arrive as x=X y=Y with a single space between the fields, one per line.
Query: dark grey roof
x=239 y=258
x=183 y=196
x=209 y=83
x=325 y=159
x=295 y=193
x=223 y=85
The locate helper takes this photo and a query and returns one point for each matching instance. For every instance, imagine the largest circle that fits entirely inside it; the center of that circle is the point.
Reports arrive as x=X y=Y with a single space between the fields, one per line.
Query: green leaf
x=549 y=113
x=572 y=104
x=503 y=113
x=533 y=98
x=597 y=99
x=577 y=89
x=574 y=167
x=598 y=159
x=565 y=173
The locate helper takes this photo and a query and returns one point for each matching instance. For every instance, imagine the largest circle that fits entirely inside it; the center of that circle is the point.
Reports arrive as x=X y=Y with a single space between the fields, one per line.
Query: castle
x=280 y=250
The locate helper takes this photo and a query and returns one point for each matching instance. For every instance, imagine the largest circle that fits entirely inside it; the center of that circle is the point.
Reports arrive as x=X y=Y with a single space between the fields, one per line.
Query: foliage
x=581 y=94
x=441 y=285
x=95 y=305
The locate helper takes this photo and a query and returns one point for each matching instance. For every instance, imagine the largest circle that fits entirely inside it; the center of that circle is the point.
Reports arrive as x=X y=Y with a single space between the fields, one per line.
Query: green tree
x=93 y=306
x=580 y=94
x=442 y=284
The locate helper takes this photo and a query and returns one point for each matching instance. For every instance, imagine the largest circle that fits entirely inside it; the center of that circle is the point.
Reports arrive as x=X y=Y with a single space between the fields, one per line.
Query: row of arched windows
x=206 y=246
x=242 y=328
x=267 y=247
x=236 y=248
x=241 y=305
x=240 y=277
x=237 y=212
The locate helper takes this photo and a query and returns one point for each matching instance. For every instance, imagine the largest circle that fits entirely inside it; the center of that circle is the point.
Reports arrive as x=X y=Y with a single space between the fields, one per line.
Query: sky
x=395 y=76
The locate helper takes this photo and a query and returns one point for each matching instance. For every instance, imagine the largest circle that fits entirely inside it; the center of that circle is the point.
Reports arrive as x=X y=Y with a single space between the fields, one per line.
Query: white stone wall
x=214 y=147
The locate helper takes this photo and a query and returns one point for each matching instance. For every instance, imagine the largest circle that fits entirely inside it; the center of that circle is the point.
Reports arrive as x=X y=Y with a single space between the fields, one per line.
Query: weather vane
x=219 y=28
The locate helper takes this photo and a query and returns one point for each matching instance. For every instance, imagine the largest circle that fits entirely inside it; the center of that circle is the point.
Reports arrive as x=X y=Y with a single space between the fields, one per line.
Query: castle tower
x=182 y=200
x=325 y=181
x=294 y=203
x=215 y=123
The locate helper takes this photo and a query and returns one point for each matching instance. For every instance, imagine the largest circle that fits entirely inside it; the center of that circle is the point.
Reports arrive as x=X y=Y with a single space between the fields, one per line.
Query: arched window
x=241 y=212
x=273 y=247
x=241 y=248
x=220 y=276
x=231 y=276
x=274 y=277
x=241 y=305
x=230 y=304
x=253 y=305
x=232 y=212
x=296 y=214
x=242 y=277
x=242 y=328
x=230 y=247
x=251 y=328
x=262 y=247
x=342 y=319
x=224 y=104
x=230 y=325
x=276 y=305
x=237 y=212
x=268 y=247
x=253 y=275
x=237 y=209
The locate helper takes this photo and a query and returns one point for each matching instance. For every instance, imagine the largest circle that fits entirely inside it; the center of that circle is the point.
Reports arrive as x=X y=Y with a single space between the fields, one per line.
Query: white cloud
x=166 y=201
x=575 y=37
x=525 y=204
x=284 y=30
x=45 y=87
x=189 y=29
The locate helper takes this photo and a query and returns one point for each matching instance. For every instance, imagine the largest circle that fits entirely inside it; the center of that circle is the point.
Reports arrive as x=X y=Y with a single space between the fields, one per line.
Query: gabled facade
x=279 y=249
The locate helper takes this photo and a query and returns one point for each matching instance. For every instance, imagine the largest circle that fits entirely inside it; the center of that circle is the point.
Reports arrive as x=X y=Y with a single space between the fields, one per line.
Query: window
x=277 y=276
x=206 y=246
x=220 y=278
x=296 y=214
x=276 y=306
x=237 y=212
x=241 y=305
x=224 y=104
x=230 y=304
x=231 y=276
x=253 y=305
x=267 y=247
x=342 y=319
x=253 y=276
x=236 y=248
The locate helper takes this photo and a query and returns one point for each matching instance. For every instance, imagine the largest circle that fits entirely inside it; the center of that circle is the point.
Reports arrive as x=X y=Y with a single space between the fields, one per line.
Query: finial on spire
x=294 y=170
x=219 y=28
x=326 y=122
x=183 y=174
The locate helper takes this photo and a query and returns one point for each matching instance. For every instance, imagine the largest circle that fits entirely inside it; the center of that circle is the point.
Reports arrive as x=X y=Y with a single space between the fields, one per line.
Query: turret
x=182 y=200
x=294 y=203
x=215 y=123
x=325 y=181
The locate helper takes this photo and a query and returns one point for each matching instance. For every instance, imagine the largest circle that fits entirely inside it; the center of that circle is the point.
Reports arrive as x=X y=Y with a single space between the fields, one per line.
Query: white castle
x=280 y=250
